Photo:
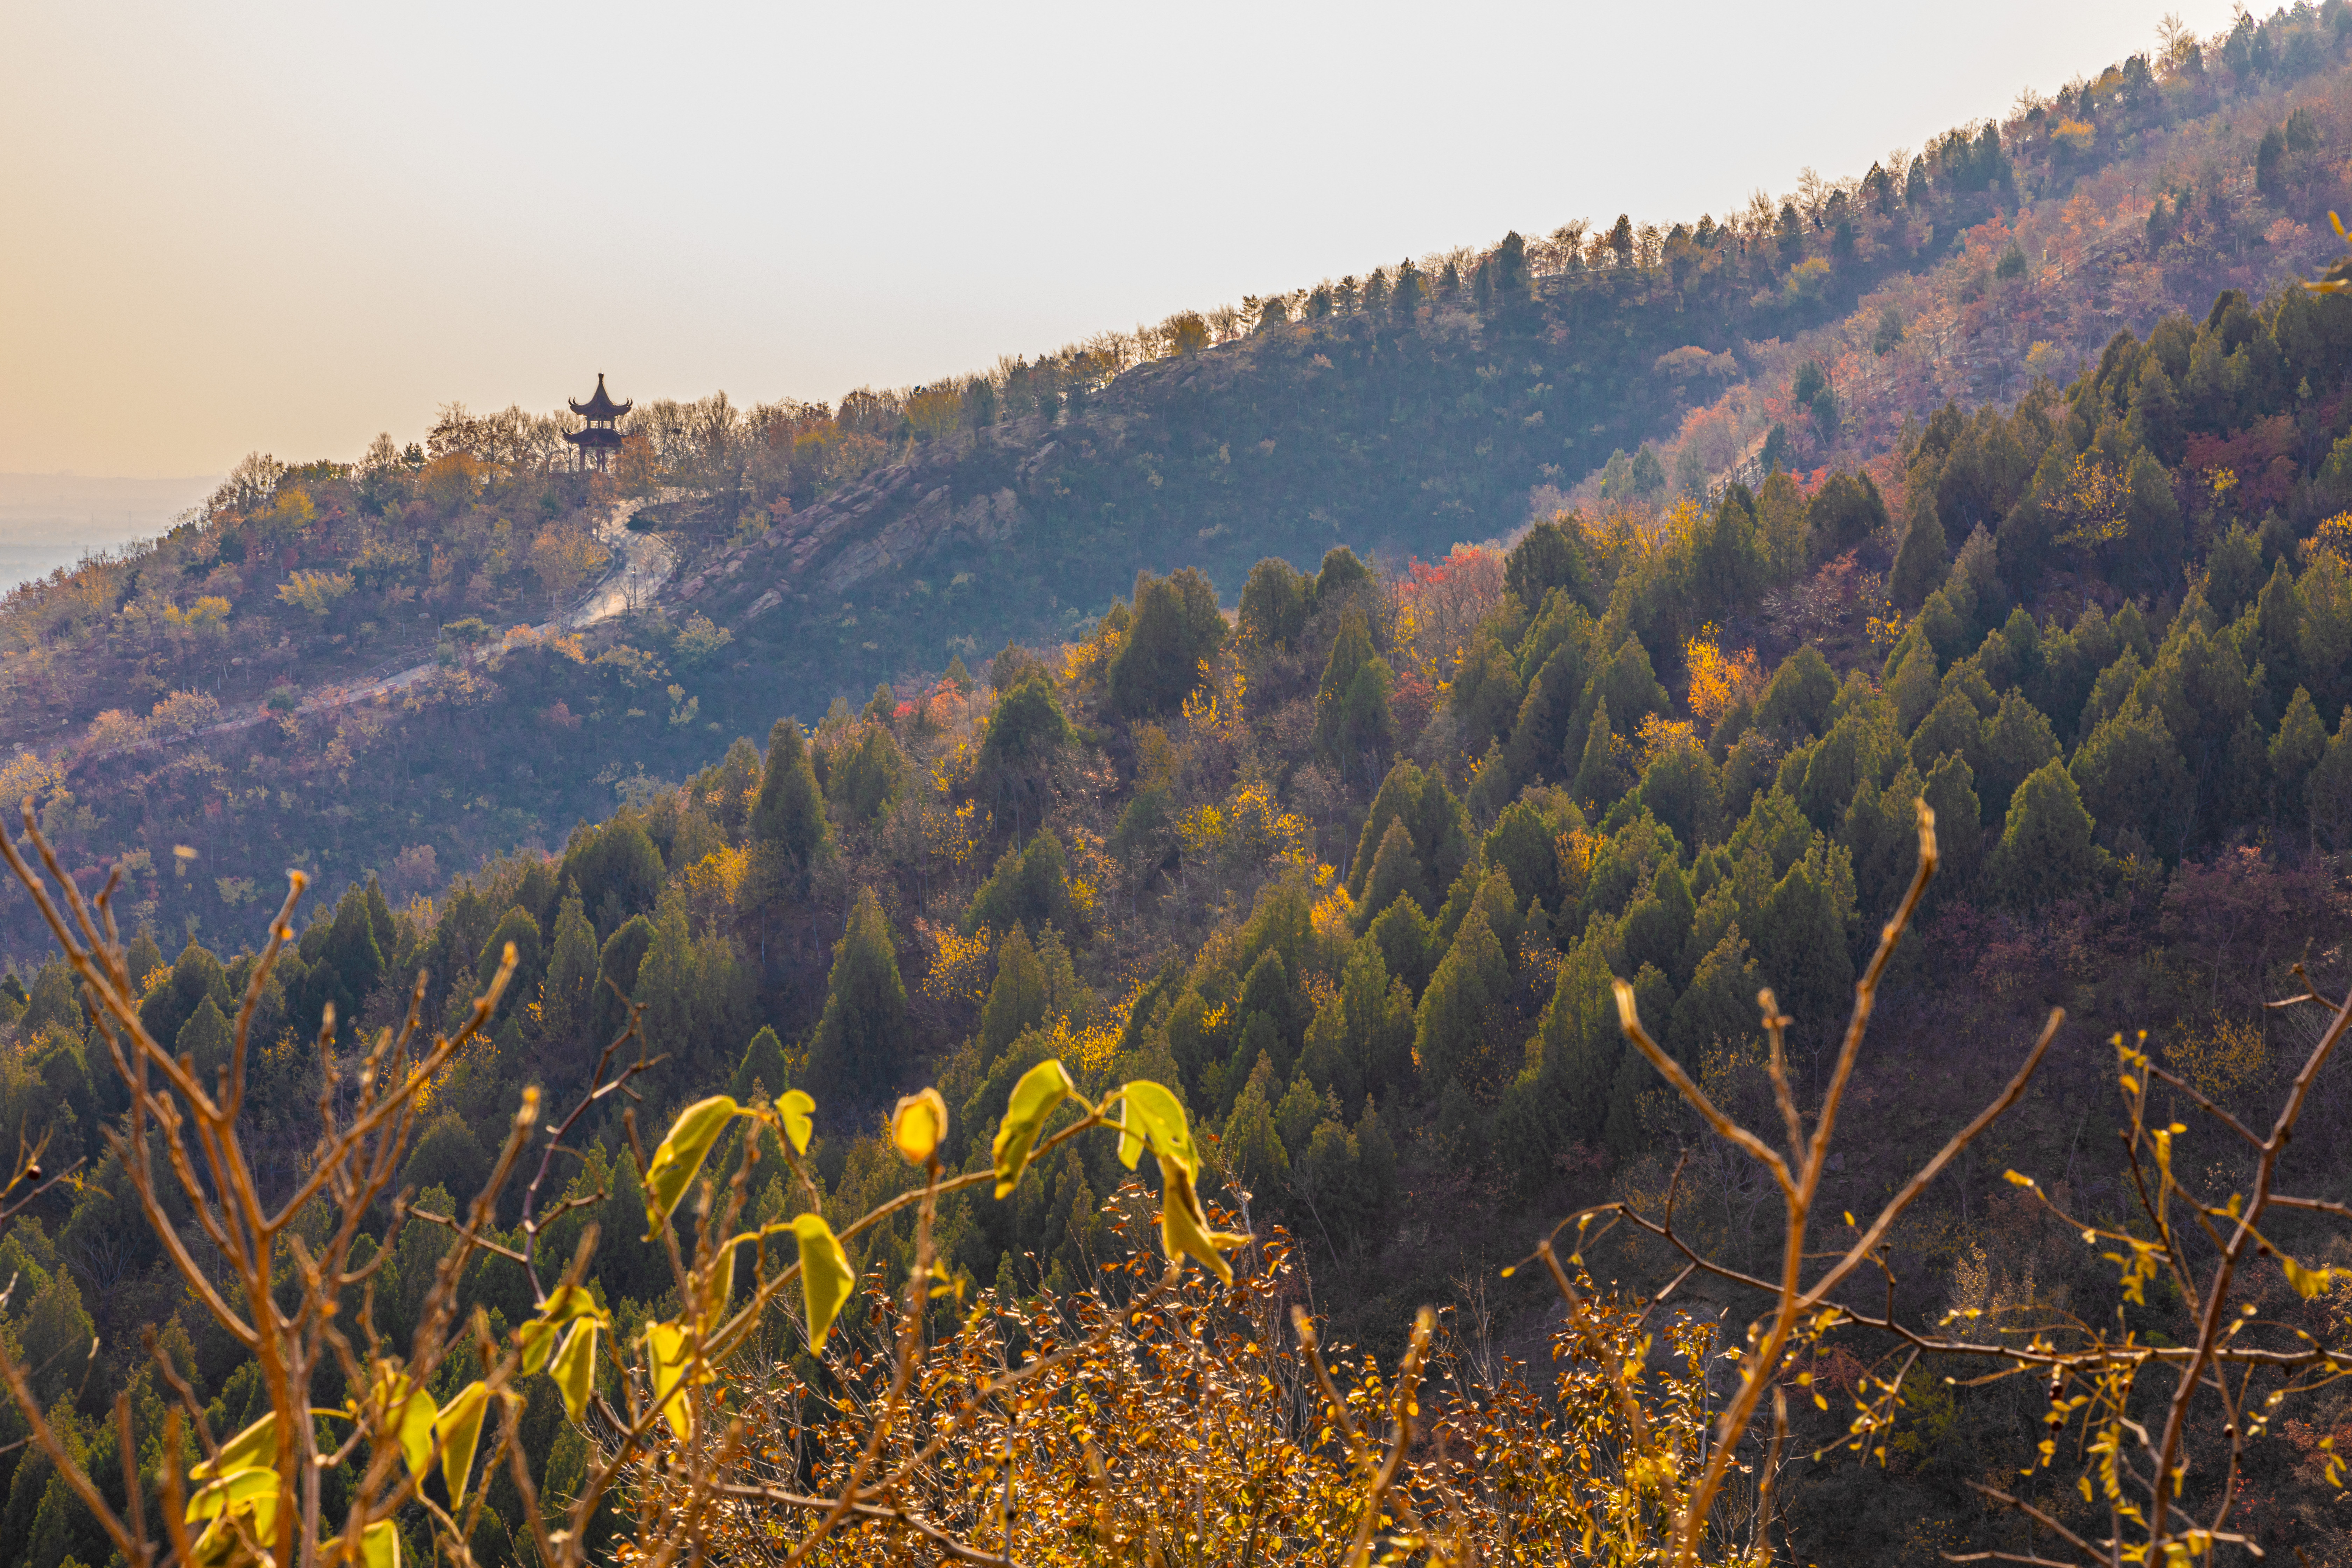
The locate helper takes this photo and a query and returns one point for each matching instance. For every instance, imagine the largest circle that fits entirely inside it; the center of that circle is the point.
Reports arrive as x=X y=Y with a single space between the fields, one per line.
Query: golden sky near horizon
x=286 y=227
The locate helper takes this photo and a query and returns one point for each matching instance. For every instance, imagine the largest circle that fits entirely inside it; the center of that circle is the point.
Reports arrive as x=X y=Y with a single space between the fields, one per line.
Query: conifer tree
x=1401 y=932
x=1017 y=998
x=1800 y=938
x=206 y=1037
x=1028 y=886
x=863 y=1041
x=2045 y=851
x=1720 y=1006
x=788 y=814
x=616 y=976
x=763 y=1069
x=1455 y=1010
x=1601 y=776
x=1950 y=794
x=568 y=993
x=2018 y=741
x=2130 y=776
x=1920 y=565
x=1549 y=557
x=515 y=926
x=1635 y=1077
x=1273 y=604
x=868 y=779
x=2301 y=743
x=2328 y=793
x=1396 y=873
x=1251 y=1147
x=1177 y=628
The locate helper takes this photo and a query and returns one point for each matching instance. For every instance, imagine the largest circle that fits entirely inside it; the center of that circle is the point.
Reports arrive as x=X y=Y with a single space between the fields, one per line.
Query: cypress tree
x=1401 y=932
x=617 y=971
x=1718 y=1007
x=567 y=995
x=1920 y=565
x=1454 y=1011
x=2328 y=793
x=1801 y=943
x=865 y=1039
x=1635 y=1077
x=1600 y=777
x=515 y=926
x=1017 y=998
x=790 y=812
x=2045 y=851
x=2018 y=741
x=763 y=1069
x=1396 y=873
x=2301 y=743
x=2130 y=776
x=1176 y=628
x=1950 y=794
x=206 y=1037
x=1250 y=1146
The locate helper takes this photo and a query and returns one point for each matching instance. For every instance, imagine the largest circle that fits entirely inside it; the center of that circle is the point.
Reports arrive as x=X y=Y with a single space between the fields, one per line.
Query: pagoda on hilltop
x=600 y=440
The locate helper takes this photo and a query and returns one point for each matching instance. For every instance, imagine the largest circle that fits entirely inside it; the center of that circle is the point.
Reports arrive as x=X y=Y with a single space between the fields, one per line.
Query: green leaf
x=680 y=1156
x=825 y=1277
x=2309 y=1283
x=1041 y=1088
x=799 y=1113
x=667 y=1357
x=538 y=1337
x=380 y=1545
x=411 y=1412
x=458 y=1431
x=1184 y=1228
x=575 y=1368
x=1150 y=1115
x=255 y=1448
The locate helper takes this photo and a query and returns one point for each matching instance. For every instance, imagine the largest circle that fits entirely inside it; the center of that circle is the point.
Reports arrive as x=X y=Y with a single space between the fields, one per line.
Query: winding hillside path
x=642 y=562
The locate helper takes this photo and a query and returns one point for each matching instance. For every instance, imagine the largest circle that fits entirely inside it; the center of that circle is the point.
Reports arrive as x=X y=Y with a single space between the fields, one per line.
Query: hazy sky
x=288 y=227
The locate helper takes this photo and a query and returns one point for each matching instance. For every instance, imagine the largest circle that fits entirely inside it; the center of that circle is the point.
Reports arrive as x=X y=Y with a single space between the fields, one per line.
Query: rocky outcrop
x=893 y=518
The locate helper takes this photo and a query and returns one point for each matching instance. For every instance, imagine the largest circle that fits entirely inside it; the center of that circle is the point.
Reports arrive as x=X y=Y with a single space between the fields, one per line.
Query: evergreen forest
x=1424 y=755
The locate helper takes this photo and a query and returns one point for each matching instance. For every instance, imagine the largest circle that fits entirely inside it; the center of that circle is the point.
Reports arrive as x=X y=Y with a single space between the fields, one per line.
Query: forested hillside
x=1344 y=832
x=825 y=549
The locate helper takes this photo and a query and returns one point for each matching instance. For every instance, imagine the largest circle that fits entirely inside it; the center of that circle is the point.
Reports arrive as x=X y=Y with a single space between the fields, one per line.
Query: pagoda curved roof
x=601 y=406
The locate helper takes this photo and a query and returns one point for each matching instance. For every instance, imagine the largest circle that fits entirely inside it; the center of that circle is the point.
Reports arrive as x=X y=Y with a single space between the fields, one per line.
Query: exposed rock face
x=893 y=518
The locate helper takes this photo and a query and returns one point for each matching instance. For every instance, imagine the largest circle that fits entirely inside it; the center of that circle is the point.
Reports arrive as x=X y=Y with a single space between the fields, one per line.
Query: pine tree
x=1177 y=628
x=1720 y=1006
x=1454 y=1011
x=2130 y=776
x=2328 y=793
x=1600 y=775
x=1252 y=1148
x=865 y=1040
x=2301 y=743
x=1800 y=938
x=790 y=812
x=515 y=926
x=1396 y=873
x=1920 y=565
x=1017 y=998
x=567 y=995
x=763 y=1069
x=2045 y=851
